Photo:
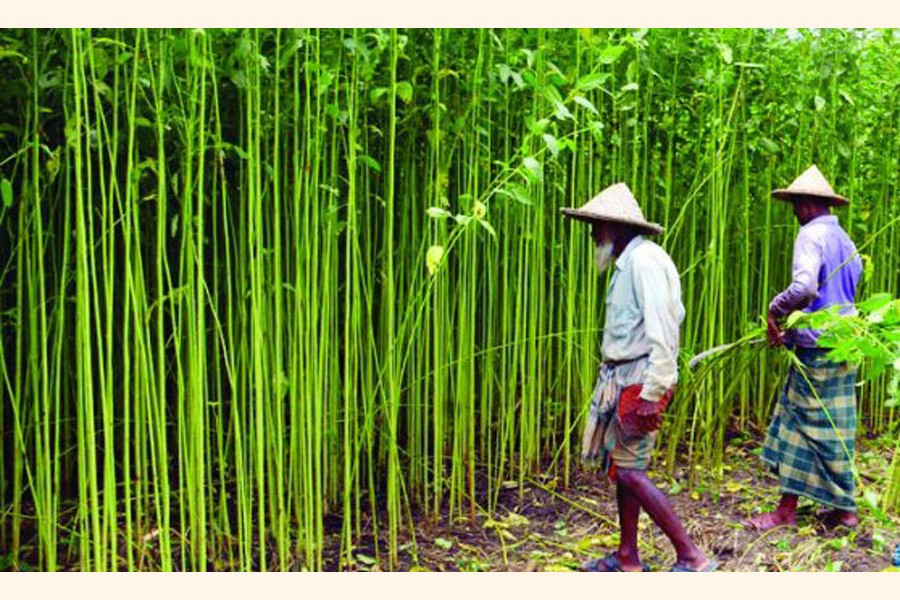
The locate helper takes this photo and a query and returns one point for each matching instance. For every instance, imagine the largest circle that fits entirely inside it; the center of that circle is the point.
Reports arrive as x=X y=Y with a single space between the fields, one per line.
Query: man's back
x=841 y=265
x=824 y=247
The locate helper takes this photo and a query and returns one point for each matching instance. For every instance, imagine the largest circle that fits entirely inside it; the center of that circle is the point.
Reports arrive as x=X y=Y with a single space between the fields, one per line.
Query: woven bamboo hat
x=615 y=204
x=811 y=184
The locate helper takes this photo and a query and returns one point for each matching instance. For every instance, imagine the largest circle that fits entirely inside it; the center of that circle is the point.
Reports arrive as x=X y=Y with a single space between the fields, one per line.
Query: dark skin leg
x=629 y=511
x=785 y=514
x=636 y=491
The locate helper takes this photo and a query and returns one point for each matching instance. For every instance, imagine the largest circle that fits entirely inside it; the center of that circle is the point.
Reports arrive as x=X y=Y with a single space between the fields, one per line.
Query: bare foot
x=770 y=520
x=837 y=517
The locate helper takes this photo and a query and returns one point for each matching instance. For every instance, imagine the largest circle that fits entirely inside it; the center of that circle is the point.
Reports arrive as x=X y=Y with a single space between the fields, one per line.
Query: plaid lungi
x=606 y=442
x=810 y=443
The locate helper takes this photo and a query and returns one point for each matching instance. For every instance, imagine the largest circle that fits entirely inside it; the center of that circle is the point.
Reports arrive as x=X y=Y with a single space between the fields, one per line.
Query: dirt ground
x=547 y=528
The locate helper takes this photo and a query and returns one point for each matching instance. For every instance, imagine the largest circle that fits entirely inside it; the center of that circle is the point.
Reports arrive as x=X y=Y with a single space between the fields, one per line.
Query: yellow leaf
x=433 y=259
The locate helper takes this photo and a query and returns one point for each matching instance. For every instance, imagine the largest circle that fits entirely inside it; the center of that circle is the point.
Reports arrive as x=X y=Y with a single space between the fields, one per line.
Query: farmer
x=637 y=375
x=810 y=441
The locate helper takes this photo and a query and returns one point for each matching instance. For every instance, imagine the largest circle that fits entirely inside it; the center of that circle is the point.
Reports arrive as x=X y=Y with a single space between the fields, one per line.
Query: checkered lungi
x=810 y=443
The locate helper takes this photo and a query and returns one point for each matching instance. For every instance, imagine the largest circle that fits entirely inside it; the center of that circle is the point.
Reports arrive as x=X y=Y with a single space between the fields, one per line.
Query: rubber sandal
x=709 y=568
x=608 y=564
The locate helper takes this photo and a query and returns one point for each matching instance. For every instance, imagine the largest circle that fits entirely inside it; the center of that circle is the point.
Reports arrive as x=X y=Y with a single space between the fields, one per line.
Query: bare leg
x=629 y=512
x=785 y=514
x=660 y=510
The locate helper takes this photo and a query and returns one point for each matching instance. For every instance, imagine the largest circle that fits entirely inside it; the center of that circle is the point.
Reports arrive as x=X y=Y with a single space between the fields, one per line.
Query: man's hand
x=773 y=332
x=648 y=416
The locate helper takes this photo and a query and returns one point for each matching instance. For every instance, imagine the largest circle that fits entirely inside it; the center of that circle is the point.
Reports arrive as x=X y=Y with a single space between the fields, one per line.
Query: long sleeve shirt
x=643 y=316
x=826 y=270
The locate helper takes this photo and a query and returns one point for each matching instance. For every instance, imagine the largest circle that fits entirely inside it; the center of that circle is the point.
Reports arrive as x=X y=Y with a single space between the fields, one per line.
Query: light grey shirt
x=643 y=316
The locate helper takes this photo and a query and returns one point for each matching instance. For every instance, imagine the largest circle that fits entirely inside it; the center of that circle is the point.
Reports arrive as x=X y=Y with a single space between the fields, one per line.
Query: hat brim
x=791 y=195
x=590 y=217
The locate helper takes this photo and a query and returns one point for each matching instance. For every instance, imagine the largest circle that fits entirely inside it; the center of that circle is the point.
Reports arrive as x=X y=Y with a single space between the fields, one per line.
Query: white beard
x=603 y=256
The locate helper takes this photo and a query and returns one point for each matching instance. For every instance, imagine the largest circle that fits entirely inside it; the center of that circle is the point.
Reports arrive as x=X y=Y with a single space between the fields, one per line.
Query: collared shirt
x=826 y=270
x=643 y=316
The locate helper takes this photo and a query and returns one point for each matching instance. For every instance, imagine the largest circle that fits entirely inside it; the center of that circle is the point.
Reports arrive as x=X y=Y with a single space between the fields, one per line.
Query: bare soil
x=547 y=527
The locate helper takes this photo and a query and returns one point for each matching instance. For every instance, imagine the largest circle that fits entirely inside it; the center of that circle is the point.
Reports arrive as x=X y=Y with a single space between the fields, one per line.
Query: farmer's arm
x=805 y=284
x=652 y=289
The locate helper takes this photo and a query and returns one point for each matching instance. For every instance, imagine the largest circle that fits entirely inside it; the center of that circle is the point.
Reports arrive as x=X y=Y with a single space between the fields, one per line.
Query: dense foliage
x=253 y=279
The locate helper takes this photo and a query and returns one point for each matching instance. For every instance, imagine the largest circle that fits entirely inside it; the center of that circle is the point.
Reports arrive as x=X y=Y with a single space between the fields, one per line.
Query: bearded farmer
x=810 y=441
x=637 y=375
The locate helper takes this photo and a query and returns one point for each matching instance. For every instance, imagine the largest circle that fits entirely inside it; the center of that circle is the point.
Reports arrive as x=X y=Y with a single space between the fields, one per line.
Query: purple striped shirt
x=826 y=270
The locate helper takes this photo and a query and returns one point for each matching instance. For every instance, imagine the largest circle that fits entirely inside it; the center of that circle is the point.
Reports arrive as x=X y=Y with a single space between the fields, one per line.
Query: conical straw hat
x=813 y=184
x=617 y=204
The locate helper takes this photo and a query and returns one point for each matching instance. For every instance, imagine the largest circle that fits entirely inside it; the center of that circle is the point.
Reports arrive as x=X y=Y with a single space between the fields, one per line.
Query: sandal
x=608 y=564
x=709 y=568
